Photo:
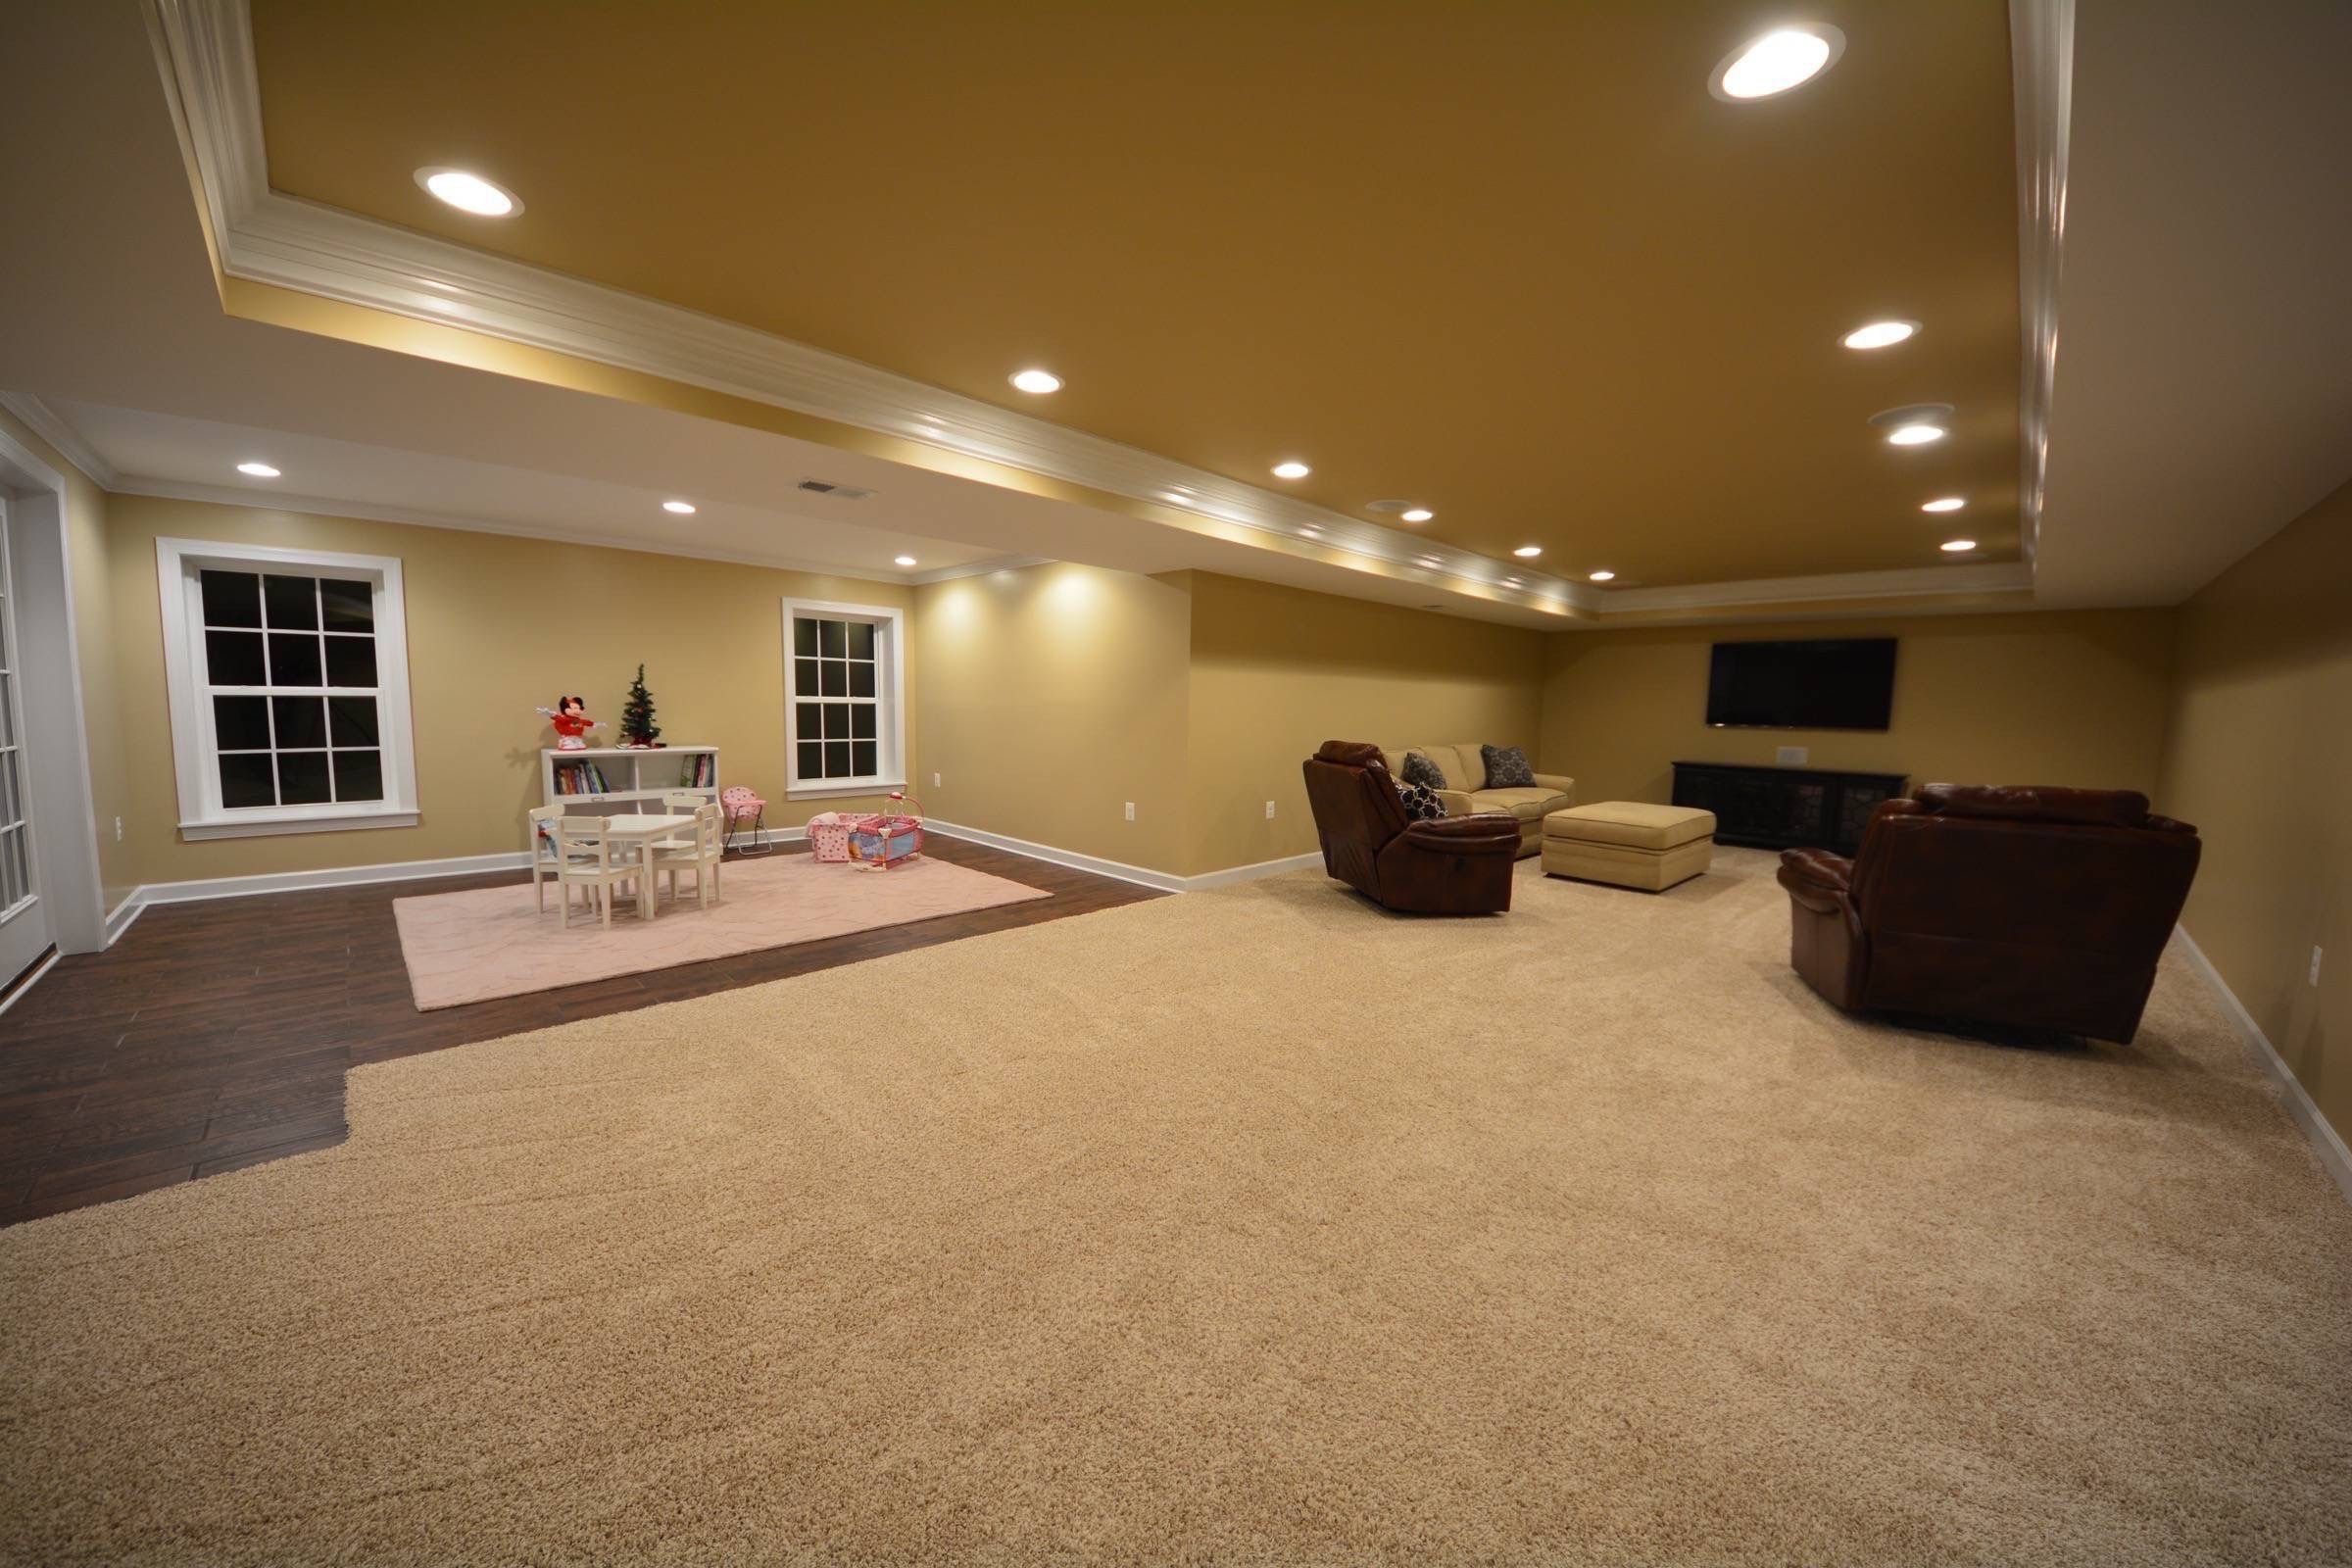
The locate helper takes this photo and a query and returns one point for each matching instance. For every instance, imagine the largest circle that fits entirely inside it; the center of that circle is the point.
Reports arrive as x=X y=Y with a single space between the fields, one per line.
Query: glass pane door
x=23 y=924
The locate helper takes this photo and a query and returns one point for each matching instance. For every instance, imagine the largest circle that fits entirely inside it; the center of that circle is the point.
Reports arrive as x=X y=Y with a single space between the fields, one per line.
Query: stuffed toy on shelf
x=571 y=717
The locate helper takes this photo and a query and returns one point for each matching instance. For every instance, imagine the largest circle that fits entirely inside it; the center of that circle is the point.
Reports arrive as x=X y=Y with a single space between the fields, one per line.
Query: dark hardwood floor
x=217 y=1035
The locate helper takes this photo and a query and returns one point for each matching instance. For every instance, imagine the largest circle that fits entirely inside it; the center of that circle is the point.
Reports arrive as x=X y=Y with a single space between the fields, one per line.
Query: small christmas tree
x=637 y=727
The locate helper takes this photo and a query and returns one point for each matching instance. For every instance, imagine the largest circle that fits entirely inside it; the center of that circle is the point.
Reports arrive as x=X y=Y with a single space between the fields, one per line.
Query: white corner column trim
x=2325 y=1142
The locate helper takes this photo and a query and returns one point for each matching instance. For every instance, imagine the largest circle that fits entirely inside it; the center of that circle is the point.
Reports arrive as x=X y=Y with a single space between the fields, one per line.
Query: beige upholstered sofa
x=1465 y=768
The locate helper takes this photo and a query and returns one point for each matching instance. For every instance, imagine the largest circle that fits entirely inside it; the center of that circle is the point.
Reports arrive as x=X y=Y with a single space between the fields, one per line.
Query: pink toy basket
x=829 y=836
x=889 y=838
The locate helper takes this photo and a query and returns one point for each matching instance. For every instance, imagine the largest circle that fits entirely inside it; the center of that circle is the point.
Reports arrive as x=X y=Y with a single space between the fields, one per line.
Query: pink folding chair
x=747 y=819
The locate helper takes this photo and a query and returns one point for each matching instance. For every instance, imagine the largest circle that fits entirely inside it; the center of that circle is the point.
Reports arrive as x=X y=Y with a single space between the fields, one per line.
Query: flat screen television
x=1842 y=683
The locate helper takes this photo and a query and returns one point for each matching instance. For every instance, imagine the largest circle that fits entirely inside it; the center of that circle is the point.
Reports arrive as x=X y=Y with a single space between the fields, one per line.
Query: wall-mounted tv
x=1846 y=684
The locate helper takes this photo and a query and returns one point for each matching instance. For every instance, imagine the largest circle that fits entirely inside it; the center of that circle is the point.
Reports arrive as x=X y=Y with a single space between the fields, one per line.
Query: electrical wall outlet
x=118 y=830
x=2315 y=965
x=1791 y=755
x=1130 y=811
x=1269 y=811
x=935 y=781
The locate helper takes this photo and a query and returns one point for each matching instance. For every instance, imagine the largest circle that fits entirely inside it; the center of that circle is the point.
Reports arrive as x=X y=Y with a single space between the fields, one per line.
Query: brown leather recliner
x=1449 y=865
x=2031 y=907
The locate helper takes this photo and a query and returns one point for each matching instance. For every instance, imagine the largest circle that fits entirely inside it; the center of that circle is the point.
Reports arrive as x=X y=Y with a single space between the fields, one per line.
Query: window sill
x=245 y=827
x=837 y=788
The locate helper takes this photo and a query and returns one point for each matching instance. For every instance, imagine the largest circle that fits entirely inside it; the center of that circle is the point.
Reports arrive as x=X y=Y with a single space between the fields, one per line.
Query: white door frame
x=64 y=811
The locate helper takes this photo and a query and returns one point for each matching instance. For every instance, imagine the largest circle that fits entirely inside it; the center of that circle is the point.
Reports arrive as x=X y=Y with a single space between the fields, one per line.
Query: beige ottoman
x=1629 y=843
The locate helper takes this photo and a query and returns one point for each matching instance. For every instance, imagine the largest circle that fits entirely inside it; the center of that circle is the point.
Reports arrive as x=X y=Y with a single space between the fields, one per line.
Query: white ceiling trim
x=2041 y=53
x=205 y=51
x=979 y=568
x=51 y=427
x=1909 y=582
x=136 y=484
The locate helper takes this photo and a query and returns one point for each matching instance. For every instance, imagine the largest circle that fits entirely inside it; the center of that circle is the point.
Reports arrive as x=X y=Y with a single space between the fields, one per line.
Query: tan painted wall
x=2070 y=696
x=2258 y=756
x=1052 y=695
x=87 y=559
x=1277 y=671
x=495 y=626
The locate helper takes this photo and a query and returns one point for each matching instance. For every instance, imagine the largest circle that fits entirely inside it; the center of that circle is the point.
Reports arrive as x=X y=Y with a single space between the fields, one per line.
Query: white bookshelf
x=636 y=776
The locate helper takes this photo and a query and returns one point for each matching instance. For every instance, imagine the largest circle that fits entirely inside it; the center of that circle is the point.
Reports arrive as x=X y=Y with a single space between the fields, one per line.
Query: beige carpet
x=1250 y=1226
x=497 y=941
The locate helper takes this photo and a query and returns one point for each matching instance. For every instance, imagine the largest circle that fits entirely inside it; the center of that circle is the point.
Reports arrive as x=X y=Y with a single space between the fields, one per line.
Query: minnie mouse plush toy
x=571 y=717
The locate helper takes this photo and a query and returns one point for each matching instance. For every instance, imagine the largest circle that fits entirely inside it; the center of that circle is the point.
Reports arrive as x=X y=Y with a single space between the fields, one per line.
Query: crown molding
x=1906 y=583
x=205 y=52
x=221 y=495
x=51 y=427
x=979 y=568
x=2041 y=52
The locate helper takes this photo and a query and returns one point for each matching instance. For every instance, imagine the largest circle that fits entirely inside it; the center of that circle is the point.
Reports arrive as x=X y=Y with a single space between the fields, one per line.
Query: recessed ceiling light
x=1880 y=334
x=1781 y=59
x=1602 y=577
x=260 y=470
x=1528 y=551
x=1945 y=504
x=469 y=192
x=1312 y=533
x=1431 y=561
x=1291 y=469
x=1037 y=381
x=1956 y=546
x=684 y=508
x=1512 y=582
x=904 y=561
x=1418 y=515
x=1914 y=435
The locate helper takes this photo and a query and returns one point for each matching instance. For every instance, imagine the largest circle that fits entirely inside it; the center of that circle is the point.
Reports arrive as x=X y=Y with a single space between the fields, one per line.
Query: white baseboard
x=1251 y=872
x=39 y=969
x=119 y=919
x=2325 y=1142
x=1120 y=870
x=1140 y=876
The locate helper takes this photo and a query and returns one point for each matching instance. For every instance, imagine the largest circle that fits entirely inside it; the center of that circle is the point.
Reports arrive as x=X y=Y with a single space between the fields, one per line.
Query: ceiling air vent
x=842 y=492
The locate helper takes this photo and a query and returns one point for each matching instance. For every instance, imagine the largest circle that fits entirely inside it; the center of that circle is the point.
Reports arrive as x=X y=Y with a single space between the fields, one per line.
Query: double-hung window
x=845 y=685
x=288 y=674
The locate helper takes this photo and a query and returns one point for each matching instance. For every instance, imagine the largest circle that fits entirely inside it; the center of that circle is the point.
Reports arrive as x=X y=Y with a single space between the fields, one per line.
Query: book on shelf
x=701 y=770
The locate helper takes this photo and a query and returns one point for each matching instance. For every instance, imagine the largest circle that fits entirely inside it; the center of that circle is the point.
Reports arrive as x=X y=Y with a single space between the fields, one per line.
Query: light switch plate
x=1130 y=811
x=2315 y=965
x=1269 y=811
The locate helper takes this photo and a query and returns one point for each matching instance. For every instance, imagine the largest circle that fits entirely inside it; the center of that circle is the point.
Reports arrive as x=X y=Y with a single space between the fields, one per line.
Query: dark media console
x=1781 y=808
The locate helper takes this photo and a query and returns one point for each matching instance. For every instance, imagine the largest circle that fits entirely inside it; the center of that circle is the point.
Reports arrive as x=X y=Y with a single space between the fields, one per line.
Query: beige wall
x=1052 y=697
x=2070 y=697
x=495 y=626
x=2259 y=755
x=1277 y=671
x=87 y=561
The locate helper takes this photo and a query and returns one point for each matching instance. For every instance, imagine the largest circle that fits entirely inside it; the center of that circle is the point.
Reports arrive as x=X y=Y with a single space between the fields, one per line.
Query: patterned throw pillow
x=1507 y=768
x=1420 y=804
x=1419 y=770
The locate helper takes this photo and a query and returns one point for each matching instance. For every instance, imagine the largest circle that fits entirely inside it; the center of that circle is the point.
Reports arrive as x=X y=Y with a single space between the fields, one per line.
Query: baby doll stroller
x=888 y=838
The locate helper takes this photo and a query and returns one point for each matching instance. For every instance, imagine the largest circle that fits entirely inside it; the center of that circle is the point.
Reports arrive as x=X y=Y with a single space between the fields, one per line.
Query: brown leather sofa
x=2031 y=908
x=1449 y=865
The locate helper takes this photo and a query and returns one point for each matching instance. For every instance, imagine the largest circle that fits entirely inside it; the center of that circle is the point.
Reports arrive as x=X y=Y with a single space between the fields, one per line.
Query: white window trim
x=890 y=678
x=201 y=813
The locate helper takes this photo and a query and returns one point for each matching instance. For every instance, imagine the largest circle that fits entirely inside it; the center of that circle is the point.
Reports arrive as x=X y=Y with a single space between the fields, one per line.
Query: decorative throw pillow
x=1419 y=770
x=1507 y=768
x=1420 y=804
